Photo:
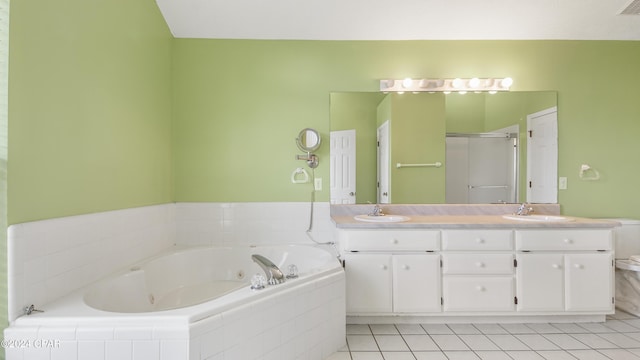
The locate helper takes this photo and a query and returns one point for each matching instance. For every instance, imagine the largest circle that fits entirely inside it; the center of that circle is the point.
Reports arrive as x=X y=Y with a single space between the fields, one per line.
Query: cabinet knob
x=406 y=267
x=480 y=264
x=555 y=266
x=578 y=266
x=480 y=288
x=568 y=241
x=394 y=241
x=383 y=267
x=480 y=241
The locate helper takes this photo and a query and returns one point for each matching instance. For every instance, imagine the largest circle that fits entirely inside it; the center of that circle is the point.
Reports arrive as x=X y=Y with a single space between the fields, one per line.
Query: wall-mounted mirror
x=372 y=132
x=308 y=140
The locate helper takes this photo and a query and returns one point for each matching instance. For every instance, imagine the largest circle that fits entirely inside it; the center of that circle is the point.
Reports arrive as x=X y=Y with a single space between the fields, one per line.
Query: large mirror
x=436 y=148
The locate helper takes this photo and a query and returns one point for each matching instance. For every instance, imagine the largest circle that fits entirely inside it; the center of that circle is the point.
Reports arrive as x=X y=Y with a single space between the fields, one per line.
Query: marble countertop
x=470 y=221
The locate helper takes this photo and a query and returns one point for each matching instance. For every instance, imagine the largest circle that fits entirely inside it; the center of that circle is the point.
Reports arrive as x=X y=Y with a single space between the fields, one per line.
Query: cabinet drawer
x=479 y=293
x=385 y=240
x=576 y=239
x=497 y=264
x=477 y=240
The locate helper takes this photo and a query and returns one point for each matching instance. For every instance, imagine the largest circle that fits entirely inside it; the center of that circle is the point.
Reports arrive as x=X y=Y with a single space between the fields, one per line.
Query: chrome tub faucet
x=274 y=275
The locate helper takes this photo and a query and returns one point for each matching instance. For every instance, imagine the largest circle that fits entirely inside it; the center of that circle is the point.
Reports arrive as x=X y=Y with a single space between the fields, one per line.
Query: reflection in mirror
x=416 y=133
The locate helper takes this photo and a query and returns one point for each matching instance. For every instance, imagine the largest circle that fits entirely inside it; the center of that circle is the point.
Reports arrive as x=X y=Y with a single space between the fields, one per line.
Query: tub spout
x=274 y=275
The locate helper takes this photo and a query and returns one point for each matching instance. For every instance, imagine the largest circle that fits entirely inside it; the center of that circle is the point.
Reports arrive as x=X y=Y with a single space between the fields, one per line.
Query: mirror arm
x=311 y=159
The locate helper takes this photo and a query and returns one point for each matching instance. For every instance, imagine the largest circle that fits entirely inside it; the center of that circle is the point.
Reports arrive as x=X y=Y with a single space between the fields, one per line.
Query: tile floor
x=616 y=339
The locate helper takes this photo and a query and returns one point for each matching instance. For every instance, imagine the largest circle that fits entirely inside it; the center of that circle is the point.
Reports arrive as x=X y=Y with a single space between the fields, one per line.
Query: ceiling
x=403 y=19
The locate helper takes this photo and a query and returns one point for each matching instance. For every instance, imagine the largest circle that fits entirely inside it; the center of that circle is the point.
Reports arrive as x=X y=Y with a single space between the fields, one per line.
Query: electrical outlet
x=317 y=184
x=562 y=183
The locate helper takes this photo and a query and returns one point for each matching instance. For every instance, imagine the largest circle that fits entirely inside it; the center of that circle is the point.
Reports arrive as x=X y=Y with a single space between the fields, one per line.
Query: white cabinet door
x=416 y=283
x=588 y=279
x=368 y=279
x=540 y=279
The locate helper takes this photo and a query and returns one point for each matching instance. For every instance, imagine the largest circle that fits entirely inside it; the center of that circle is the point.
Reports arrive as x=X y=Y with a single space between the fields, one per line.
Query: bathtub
x=195 y=303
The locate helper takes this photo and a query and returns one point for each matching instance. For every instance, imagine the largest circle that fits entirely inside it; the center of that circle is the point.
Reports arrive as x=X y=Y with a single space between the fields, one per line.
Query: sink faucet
x=377 y=211
x=274 y=275
x=524 y=210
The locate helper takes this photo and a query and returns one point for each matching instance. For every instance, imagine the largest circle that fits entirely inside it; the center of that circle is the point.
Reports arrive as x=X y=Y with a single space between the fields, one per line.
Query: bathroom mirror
x=308 y=140
x=417 y=135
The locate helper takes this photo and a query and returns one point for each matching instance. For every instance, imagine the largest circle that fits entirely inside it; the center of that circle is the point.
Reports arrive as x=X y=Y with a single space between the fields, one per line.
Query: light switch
x=562 y=183
x=317 y=184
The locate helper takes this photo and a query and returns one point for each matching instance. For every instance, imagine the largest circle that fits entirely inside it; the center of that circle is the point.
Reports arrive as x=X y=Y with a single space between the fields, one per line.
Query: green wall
x=89 y=107
x=236 y=99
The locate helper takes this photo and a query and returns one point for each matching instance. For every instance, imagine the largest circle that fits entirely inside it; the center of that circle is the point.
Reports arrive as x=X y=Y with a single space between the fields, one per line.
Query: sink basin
x=538 y=218
x=382 y=219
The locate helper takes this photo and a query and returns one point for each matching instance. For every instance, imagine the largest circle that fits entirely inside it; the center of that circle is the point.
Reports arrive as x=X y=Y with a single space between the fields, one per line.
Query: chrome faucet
x=377 y=211
x=274 y=275
x=524 y=210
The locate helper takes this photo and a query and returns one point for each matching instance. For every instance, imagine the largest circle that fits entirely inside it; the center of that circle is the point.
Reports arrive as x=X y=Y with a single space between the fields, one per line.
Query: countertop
x=471 y=221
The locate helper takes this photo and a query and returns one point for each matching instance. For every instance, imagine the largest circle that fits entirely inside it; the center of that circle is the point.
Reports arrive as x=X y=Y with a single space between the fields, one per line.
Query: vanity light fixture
x=462 y=86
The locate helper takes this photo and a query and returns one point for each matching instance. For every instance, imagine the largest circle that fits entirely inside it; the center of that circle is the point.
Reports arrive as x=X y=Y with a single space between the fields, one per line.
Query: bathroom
x=131 y=117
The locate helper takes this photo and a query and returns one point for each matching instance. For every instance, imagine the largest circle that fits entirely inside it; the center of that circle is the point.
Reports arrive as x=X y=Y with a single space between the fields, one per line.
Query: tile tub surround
x=51 y=258
x=303 y=321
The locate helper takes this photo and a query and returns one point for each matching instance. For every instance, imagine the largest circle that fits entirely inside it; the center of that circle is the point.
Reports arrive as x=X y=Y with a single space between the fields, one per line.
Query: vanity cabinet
x=564 y=270
x=392 y=271
x=477 y=270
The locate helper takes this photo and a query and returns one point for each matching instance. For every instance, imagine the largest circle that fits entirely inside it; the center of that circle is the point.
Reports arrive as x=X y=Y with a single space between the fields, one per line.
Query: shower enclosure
x=482 y=168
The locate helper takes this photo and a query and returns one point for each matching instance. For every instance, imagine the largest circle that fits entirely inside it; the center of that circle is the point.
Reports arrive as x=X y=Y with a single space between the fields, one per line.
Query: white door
x=540 y=279
x=588 y=282
x=342 y=155
x=542 y=156
x=416 y=283
x=368 y=279
x=384 y=175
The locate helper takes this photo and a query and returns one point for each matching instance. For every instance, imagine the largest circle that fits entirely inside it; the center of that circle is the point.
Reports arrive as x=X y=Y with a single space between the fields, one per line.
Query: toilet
x=627 y=252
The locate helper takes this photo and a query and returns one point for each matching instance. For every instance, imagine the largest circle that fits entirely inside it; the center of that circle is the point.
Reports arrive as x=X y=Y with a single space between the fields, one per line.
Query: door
x=542 y=156
x=416 y=283
x=368 y=279
x=588 y=282
x=540 y=279
x=384 y=174
x=342 y=155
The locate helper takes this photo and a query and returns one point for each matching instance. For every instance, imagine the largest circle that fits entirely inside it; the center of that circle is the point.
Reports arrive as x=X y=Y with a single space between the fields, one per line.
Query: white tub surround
x=53 y=262
x=300 y=318
x=48 y=259
x=477 y=268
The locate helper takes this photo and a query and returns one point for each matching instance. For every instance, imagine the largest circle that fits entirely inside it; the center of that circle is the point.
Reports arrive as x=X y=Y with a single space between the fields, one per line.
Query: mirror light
x=491 y=85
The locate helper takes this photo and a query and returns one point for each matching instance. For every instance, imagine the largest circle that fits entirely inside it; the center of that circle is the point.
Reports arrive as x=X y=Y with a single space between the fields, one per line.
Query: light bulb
x=406 y=83
x=474 y=83
x=457 y=83
x=506 y=82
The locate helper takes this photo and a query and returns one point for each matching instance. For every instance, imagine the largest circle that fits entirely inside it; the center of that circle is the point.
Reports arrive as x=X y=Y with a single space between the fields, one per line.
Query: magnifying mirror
x=308 y=140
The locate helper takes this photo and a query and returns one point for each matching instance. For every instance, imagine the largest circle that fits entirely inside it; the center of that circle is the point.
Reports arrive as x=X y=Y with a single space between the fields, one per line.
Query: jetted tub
x=193 y=303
